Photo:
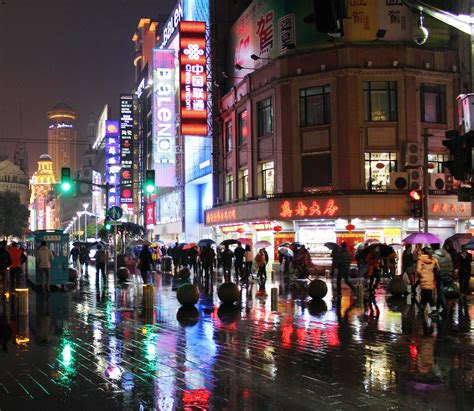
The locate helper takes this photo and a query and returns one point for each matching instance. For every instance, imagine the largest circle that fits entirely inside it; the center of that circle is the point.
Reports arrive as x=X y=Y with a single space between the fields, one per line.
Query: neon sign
x=264 y=226
x=193 y=78
x=220 y=216
x=290 y=209
x=112 y=160
x=448 y=207
x=172 y=24
x=232 y=228
x=126 y=151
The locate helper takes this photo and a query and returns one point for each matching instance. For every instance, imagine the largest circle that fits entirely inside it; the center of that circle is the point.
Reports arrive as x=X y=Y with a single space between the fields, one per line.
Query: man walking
x=226 y=259
x=44 y=258
x=100 y=262
x=239 y=253
x=344 y=264
x=18 y=258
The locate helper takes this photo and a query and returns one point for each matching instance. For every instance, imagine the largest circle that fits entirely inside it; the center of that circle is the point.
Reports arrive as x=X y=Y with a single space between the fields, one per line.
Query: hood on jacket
x=425 y=258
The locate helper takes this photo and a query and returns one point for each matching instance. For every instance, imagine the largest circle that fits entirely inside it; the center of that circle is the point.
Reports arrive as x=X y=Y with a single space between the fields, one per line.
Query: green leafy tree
x=13 y=215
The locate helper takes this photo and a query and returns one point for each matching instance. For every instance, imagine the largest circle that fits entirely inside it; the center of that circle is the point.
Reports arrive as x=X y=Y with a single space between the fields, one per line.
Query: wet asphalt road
x=95 y=347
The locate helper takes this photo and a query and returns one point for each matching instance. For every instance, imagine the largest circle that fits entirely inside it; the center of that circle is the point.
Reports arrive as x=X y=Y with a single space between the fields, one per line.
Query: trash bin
x=166 y=264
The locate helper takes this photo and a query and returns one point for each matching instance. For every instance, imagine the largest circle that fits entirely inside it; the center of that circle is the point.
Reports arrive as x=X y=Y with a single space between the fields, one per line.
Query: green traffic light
x=108 y=226
x=66 y=186
x=149 y=188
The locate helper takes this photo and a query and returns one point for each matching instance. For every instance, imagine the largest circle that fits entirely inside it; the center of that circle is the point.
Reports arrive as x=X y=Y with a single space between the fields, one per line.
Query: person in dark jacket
x=239 y=262
x=84 y=259
x=145 y=263
x=226 y=259
x=207 y=260
x=344 y=264
x=444 y=276
x=464 y=261
x=193 y=254
x=176 y=255
x=5 y=262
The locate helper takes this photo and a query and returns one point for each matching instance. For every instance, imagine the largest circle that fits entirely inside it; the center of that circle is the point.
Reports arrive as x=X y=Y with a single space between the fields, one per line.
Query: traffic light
x=459 y=157
x=107 y=224
x=66 y=183
x=149 y=181
x=416 y=197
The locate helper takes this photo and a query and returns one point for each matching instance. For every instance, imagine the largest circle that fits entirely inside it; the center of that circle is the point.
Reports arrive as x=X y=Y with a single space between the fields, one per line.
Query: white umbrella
x=286 y=251
x=262 y=244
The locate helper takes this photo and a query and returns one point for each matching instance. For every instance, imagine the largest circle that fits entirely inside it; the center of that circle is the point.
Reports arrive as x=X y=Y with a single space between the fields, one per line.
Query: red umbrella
x=246 y=241
x=189 y=246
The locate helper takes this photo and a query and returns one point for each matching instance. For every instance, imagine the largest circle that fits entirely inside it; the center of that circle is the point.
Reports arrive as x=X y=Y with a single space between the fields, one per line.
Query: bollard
x=274 y=299
x=273 y=275
x=22 y=335
x=360 y=294
x=22 y=301
x=148 y=296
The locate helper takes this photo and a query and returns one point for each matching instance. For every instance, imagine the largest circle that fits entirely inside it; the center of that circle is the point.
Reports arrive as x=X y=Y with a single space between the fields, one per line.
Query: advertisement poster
x=352 y=239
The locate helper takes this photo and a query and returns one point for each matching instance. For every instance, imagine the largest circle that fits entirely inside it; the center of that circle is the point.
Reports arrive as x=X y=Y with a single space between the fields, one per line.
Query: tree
x=13 y=215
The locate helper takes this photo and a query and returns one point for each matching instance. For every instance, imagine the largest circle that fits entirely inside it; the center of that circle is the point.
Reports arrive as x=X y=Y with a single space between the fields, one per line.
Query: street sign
x=115 y=213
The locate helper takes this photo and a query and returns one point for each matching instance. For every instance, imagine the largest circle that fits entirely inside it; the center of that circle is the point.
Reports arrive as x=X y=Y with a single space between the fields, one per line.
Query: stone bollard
x=274 y=299
x=148 y=296
x=360 y=294
x=22 y=301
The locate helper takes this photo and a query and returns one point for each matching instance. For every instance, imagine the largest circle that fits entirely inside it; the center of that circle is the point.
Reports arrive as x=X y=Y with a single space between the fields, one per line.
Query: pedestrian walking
x=248 y=256
x=18 y=258
x=74 y=255
x=193 y=254
x=145 y=263
x=239 y=254
x=207 y=260
x=226 y=260
x=373 y=264
x=84 y=260
x=261 y=264
x=425 y=269
x=44 y=258
x=100 y=262
x=464 y=261
x=344 y=264
x=444 y=277
x=5 y=261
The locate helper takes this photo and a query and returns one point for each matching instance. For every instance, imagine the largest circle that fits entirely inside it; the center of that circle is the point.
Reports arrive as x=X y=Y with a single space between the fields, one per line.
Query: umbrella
x=245 y=241
x=157 y=243
x=230 y=242
x=421 y=238
x=459 y=239
x=140 y=241
x=189 y=246
x=263 y=244
x=205 y=242
x=396 y=246
x=332 y=246
x=286 y=251
x=384 y=249
x=285 y=244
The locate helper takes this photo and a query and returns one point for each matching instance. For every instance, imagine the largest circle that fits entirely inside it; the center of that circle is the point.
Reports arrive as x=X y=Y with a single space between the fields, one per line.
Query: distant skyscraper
x=62 y=138
x=20 y=157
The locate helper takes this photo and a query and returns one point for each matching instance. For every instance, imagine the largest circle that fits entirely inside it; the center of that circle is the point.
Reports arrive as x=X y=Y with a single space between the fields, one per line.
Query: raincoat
x=425 y=269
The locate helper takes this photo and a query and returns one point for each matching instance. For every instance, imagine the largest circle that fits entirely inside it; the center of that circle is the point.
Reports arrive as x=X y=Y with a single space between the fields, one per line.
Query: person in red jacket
x=18 y=258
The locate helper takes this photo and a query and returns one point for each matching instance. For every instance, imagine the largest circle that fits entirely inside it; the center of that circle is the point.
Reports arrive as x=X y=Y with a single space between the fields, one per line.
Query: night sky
x=76 y=51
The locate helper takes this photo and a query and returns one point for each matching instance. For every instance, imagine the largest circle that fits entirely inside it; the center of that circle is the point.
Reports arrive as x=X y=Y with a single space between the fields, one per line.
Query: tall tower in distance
x=62 y=138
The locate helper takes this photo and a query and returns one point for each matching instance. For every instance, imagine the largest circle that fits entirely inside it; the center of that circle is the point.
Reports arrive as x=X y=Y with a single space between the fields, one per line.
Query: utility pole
x=426 y=178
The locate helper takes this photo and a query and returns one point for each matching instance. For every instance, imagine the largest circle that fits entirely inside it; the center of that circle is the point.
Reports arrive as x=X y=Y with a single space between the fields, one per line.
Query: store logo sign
x=289 y=209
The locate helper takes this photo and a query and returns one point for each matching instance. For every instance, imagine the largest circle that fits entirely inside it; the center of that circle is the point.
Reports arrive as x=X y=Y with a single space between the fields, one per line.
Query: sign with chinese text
x=193 y=78
x=236 y=228
x=149 y=215
x=308 y=208
x=448 y=207
x=126 y=152
x=220 y=216
x=263 y=226
x=164 y=117
x=112 y=161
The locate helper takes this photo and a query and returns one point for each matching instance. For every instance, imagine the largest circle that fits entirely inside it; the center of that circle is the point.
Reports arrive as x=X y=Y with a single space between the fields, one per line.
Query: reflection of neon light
x=67 y=355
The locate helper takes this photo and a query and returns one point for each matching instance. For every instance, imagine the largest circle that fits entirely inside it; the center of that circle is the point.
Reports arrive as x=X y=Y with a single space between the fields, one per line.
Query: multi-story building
x=62 y=139
x=14 y=179
x=321 y=141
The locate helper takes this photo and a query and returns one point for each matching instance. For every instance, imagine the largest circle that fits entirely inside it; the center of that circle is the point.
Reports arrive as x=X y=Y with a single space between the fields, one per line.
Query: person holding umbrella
x=145 y=263
x=207 y=257
x=425 y=269
x=464 y=261
x=226 y=259
x=239 y=253
x=373 y=264
x=344 y=264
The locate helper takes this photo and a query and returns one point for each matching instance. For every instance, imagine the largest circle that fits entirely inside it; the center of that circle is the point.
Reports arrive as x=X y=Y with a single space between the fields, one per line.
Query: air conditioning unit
x=398 y=181
x=437 y=181
x=415 y=179
x=414 y=155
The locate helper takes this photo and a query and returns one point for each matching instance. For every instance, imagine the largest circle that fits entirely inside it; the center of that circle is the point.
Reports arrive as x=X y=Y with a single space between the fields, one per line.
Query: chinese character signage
x=220 y=216
x=236 y=228
x=447 y=207
x=193 y=78
x=264 y=226
x=112 y=161
x=164 y=117
x=126 y=152
x=150 y=215
x=310 y=208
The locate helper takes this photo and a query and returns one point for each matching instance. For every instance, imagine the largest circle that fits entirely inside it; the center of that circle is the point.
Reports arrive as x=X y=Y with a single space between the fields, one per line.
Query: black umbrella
x=332 y=246
x=384 y=249
x=230 y=242
x=205 y=242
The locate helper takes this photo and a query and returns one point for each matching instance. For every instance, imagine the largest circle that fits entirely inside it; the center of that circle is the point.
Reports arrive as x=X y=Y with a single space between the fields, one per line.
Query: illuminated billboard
x=126 y=152
x=101 y=127
x=193 y=78
x=112 y=161
x=164 y=117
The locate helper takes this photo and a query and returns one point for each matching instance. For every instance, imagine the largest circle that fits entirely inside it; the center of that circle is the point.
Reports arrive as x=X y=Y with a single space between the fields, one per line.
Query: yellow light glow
x=63 y=115
x=22 y=340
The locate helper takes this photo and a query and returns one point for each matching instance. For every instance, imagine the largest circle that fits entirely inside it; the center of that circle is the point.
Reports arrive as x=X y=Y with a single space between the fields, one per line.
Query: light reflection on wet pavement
x=95 y=347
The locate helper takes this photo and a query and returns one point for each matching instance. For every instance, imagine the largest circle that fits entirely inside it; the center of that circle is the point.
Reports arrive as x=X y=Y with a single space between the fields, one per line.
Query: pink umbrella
x=421 y=238
x=246 y=241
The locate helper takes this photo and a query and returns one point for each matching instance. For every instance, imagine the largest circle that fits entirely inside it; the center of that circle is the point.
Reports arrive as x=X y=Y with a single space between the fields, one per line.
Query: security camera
x=421 y=33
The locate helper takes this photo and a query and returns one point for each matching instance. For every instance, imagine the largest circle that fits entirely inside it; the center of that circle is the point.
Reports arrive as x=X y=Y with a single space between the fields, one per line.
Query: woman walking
x=248 y=256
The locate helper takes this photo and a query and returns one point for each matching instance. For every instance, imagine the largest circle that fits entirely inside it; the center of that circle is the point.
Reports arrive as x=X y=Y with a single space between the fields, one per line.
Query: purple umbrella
x=421 y=238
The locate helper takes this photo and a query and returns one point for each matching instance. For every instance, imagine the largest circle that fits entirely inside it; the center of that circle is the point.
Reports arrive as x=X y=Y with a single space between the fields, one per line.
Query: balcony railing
x=328 y=193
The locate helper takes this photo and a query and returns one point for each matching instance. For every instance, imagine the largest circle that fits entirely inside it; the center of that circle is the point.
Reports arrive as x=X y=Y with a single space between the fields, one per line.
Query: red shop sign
x=313 y=208
x=236 y=228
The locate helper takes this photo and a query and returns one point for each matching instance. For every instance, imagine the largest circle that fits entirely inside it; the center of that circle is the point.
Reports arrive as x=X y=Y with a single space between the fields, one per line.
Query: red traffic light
x=416 y=195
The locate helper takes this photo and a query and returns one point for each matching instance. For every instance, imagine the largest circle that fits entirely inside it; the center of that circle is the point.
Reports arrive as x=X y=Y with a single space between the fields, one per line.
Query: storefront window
x=380 y=100
x=435 y=162
x=229 y=182
x=378 y=166
x=228 y=136
x=242 y=128
x=267 y=178
x=243 y=183
x=315 y=106
x=433 y=103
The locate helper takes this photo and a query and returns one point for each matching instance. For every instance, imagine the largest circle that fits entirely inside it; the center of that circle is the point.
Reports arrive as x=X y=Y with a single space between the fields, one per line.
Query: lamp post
x=79 y=213
x=85 y=205
x=74 y=227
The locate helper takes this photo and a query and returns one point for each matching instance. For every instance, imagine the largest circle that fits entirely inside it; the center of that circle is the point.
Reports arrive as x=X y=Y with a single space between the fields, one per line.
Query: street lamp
x=74 y=226
x=79 y=213
x=85 y=205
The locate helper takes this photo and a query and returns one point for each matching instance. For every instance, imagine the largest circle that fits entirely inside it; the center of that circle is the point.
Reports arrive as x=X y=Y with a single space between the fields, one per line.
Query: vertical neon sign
x=126 y=152
x=193 y=78
x=164 y=117
x=112 y=160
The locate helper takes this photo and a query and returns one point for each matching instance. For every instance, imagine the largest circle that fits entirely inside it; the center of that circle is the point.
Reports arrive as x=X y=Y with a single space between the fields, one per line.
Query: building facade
x=321 y=143
x=62 y=138
x=13 y=179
